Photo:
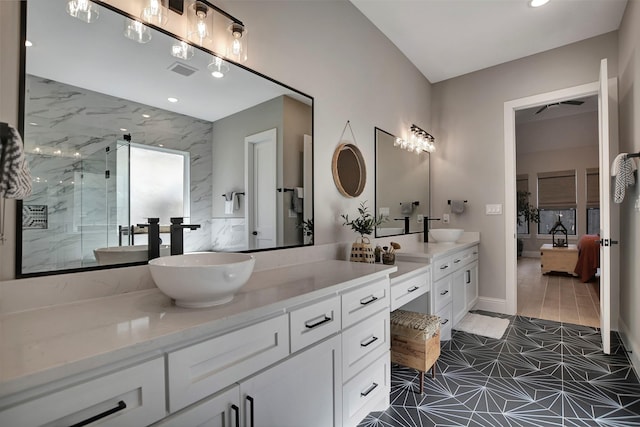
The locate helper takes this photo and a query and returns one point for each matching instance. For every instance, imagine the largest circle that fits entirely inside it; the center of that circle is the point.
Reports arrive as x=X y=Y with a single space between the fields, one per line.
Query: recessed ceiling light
x=217 y=74
x=123 y=129
x=171 y=99
x=537 y=3
x=33 y=123
x=27 y=43
x=146 y=116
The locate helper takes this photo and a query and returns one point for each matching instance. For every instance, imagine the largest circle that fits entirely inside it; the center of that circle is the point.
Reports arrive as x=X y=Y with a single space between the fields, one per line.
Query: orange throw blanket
x=588 y=257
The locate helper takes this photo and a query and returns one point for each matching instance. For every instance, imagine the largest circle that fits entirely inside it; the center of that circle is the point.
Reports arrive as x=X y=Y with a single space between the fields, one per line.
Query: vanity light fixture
x=238 y=43
x=218 y=67
x=136 y=31
x=182 y=50
x=155 y=12
x=419 y=141
x=83 y=10
x=172 y=99
x=200 y=23
x=537 y=3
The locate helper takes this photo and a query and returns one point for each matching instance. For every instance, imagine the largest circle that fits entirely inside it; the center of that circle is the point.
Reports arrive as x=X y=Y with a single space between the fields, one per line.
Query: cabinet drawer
x=202 y=369
x=129 y=397
x=364 y=301
x=441 y=267
x=366 y=392
x=408 y=290
x=364 y=343
x=314 y=322
x=472 y=253
x=445 y=314
x=442 y=292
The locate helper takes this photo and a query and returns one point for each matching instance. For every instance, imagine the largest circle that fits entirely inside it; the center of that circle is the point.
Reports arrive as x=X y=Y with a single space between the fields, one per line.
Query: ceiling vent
x=183 y=70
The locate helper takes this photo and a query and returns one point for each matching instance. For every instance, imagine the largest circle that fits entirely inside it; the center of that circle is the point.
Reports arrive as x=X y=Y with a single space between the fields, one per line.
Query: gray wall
x=469 y=127
x=629 y=117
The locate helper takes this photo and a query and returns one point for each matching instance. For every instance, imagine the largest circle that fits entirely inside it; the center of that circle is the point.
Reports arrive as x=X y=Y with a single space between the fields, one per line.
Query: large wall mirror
x=118 y=131
x=402 y=186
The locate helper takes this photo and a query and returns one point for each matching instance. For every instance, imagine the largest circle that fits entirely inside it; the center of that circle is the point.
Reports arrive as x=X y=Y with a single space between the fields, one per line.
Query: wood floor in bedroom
x=557 y=297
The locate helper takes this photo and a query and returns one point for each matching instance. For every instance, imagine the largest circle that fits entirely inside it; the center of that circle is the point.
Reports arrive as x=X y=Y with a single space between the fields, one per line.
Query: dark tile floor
x=541 y=373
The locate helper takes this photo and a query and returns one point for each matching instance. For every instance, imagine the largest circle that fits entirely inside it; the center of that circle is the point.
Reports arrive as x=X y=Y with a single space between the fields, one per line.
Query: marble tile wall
x=65 y=126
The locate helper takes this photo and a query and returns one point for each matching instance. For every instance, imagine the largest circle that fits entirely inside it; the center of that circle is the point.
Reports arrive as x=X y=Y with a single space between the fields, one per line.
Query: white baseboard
x=632 y=346
x=531 y=254
x=494 y=305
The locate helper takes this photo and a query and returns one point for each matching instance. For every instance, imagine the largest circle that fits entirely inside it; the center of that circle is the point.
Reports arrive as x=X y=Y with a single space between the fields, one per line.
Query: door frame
x=510 y=108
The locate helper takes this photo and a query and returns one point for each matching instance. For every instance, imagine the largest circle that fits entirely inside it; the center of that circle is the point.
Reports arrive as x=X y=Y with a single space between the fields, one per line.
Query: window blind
x=557 y=189
x=593 y=187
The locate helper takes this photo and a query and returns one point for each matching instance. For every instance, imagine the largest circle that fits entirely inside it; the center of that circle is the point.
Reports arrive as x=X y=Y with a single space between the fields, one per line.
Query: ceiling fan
x=555 y=104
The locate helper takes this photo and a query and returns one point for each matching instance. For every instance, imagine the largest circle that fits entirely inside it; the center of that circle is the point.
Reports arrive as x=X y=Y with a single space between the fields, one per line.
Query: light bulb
x=199 y=31
x=136 y=31
x=83 y=10
x=237 y=44
x=156 y=12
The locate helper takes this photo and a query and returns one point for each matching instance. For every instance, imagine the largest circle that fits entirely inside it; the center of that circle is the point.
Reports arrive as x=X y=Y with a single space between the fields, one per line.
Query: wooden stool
x=415 y=341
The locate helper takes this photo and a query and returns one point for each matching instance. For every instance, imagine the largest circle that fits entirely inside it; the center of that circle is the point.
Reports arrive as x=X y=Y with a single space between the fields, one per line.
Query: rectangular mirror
x=118 y=131
x=402 y=186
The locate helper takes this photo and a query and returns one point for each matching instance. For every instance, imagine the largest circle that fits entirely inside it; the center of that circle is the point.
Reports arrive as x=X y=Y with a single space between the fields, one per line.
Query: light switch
x=493 y=209
x=419 y=218
x=637 y=205
x=445 y=218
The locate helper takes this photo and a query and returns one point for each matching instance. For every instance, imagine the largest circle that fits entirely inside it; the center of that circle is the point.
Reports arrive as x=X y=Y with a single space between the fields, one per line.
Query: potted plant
x=364 y=224
x=526 y=213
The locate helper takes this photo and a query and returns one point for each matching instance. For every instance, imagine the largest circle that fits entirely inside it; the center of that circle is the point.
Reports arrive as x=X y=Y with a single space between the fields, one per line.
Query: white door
x=261 y=181
x=609 y=221
x=301 y=391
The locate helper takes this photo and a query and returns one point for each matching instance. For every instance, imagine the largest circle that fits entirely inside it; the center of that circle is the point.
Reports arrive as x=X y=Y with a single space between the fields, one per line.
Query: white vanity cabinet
x=133 y=396
x=464 y=283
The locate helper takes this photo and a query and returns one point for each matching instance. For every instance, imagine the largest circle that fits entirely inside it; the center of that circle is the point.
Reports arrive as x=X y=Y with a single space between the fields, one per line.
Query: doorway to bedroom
x=557 y=183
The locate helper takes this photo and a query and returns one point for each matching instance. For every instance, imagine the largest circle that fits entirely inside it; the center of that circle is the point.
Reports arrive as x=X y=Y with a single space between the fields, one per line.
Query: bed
x=588 y=257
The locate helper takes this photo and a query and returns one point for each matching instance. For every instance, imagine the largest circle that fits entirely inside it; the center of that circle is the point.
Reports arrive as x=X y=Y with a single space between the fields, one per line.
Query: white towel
x=231 y=202
x=622 y=169
x=15 y=178
x=300 y=192
x=228 y=207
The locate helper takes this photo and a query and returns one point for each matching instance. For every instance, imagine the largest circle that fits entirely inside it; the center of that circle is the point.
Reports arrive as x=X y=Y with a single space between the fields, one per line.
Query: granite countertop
x=51 y=343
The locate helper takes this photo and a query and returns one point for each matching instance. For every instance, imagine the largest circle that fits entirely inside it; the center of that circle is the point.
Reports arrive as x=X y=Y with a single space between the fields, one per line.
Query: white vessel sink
x=202 y=279
x=446 y=235
x=389 y=231
x=125 y=254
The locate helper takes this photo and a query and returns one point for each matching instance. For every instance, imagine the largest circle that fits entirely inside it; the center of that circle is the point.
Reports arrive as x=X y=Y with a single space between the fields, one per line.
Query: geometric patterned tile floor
x=540 y=373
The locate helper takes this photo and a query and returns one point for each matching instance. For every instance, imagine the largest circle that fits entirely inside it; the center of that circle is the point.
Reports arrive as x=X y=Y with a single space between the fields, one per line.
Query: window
x=160 y=184
x=593 y=201
x=549 y=217
x=522 y=184
x=557 y=200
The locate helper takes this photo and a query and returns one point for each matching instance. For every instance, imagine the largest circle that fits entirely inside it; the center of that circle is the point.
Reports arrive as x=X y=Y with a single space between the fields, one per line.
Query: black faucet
x=406 y=223
x=177 y=240
x=425 y=221
x=154 y=241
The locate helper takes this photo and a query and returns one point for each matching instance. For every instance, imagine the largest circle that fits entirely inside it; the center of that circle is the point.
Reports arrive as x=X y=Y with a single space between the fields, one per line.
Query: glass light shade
x=237 y=43
x=136 y=31
x=155 y=12
x=218 y=67
x=200 y=23
x=83 y=10
x=182 y=50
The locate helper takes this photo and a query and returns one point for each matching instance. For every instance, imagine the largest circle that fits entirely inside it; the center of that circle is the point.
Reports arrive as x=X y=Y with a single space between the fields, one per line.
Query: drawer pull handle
x=456 y=261
x=235 y=409
x=366 y=301
x=475 y=253
x=250 y=399
x=369 y=390
x=318 y=323
x=413 y=288
x=444 y=293
x=468 y=273
x=444 y=267
x=444 y=322
x=368 y=343
x=120 y=407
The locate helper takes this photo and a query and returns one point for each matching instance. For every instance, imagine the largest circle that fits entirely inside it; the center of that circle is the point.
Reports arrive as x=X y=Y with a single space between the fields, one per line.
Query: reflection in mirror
x=349 y=170
x=117 y=132
x=402 y=187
